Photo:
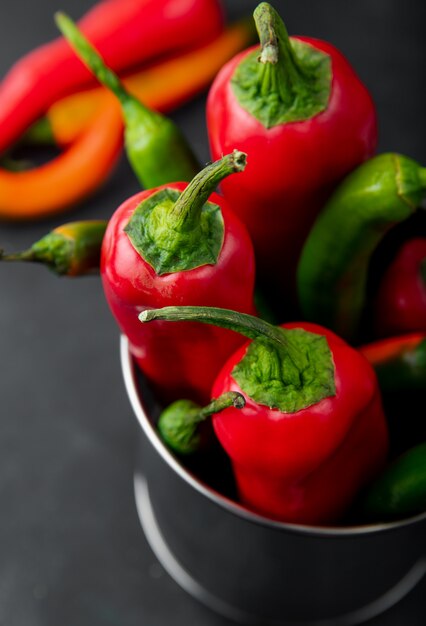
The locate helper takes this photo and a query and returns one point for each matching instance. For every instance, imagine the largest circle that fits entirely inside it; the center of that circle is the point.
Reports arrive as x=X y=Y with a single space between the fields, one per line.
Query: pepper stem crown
x=288 y=81
x=175 y=231
x=288 y=369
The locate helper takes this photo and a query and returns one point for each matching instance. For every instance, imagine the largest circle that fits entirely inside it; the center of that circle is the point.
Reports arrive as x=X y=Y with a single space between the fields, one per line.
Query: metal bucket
x=256 y=571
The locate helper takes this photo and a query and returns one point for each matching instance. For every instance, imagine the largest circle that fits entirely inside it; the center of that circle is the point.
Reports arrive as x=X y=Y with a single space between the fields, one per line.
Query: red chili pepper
x=312 y=432
x=164 y=247
x=400 y=304
x=304 y=118
x=127 y=33
x=400 y=366
x=399 y=361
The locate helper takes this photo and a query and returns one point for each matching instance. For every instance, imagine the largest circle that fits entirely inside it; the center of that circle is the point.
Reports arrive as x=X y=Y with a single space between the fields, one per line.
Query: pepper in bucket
x=312 y=432
x=333 y=267
x=297 y=107
x=400 y=302
x=173 y=245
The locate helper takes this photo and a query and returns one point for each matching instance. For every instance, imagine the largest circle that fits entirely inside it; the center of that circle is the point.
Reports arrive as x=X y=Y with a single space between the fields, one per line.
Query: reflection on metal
x=189 y=584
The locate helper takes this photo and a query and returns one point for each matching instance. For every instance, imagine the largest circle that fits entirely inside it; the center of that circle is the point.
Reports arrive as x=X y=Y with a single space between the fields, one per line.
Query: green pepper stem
x=25 y=255
x=282 y=73
x=179 y=423
x=187 y=208
x=247 y=325
x=226 y=400
x=131 y=106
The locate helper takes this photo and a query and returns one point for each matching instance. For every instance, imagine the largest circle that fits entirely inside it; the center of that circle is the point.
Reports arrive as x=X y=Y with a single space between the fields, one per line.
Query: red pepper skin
x=291 y=168
x=400 y=304
x=306 y=467
x=180 y=360
x=127 y=33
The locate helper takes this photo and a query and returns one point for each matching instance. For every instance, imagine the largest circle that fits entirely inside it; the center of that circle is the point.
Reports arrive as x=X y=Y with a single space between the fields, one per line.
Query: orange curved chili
x=90 y=124
x=70 y=177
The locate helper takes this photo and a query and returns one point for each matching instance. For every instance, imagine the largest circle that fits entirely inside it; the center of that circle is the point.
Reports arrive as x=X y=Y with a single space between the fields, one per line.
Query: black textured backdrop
x=71 y=548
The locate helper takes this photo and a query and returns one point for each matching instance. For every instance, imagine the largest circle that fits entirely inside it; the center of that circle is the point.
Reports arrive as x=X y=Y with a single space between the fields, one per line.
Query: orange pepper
x=70 y=177
x=90 y=124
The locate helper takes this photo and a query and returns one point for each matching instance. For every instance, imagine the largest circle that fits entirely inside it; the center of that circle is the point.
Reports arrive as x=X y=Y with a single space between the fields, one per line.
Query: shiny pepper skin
x=179 y=360
x=292 y=167
x=306 y=467
x=400 y=305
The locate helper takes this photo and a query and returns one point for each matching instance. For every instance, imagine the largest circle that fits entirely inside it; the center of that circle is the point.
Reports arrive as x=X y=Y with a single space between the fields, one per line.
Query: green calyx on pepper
x=175 y=231
x=286 y=369
x=289 y=81
x=333 y=266
x=179 y=424
x=156 y=148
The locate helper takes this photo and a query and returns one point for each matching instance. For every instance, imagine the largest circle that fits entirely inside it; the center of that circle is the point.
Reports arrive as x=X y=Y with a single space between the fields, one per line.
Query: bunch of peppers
x=167 y=51
x=301 y=407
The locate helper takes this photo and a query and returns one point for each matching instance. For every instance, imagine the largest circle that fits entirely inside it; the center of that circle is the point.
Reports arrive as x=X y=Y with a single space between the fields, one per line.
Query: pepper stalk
x=179 y=424
x=157 y=150
x=287 y=369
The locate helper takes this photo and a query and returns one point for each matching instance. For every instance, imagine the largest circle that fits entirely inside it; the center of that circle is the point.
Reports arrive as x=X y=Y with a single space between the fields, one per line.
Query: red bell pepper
x=312 y=432
x=127 y=33
x=179 y=244
x=400 y=304
x=305 y=119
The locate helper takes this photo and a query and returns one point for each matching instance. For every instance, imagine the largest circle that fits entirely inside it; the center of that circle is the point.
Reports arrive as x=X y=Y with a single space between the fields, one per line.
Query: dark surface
x=71 y=548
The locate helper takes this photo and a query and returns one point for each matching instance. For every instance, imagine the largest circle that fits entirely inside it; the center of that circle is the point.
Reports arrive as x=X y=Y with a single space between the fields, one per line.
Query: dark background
x=71 y=548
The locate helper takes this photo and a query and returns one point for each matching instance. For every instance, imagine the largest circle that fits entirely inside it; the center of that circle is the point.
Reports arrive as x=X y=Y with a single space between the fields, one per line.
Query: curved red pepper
x=179 y=360
x=292 y=167
x=127 y=33
x=305 y=460
x=400 y=304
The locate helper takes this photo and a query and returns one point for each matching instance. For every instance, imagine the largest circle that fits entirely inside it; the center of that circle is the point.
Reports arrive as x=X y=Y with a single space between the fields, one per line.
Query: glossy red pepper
x=400 y=304
x=127 y=33
x=193 y=252
x=305 y=119
x=312 y=432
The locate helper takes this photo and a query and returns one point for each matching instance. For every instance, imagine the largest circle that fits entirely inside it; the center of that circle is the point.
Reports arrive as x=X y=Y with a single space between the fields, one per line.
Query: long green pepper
x=157 y=150
x=72 y=249
x=333 y=266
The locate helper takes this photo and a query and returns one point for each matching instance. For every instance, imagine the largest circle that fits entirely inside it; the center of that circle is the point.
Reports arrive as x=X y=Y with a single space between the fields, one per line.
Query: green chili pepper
x=400 y=491
x=155 y=147
x=71 y=249
x=179 y=424
x=333 y=266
